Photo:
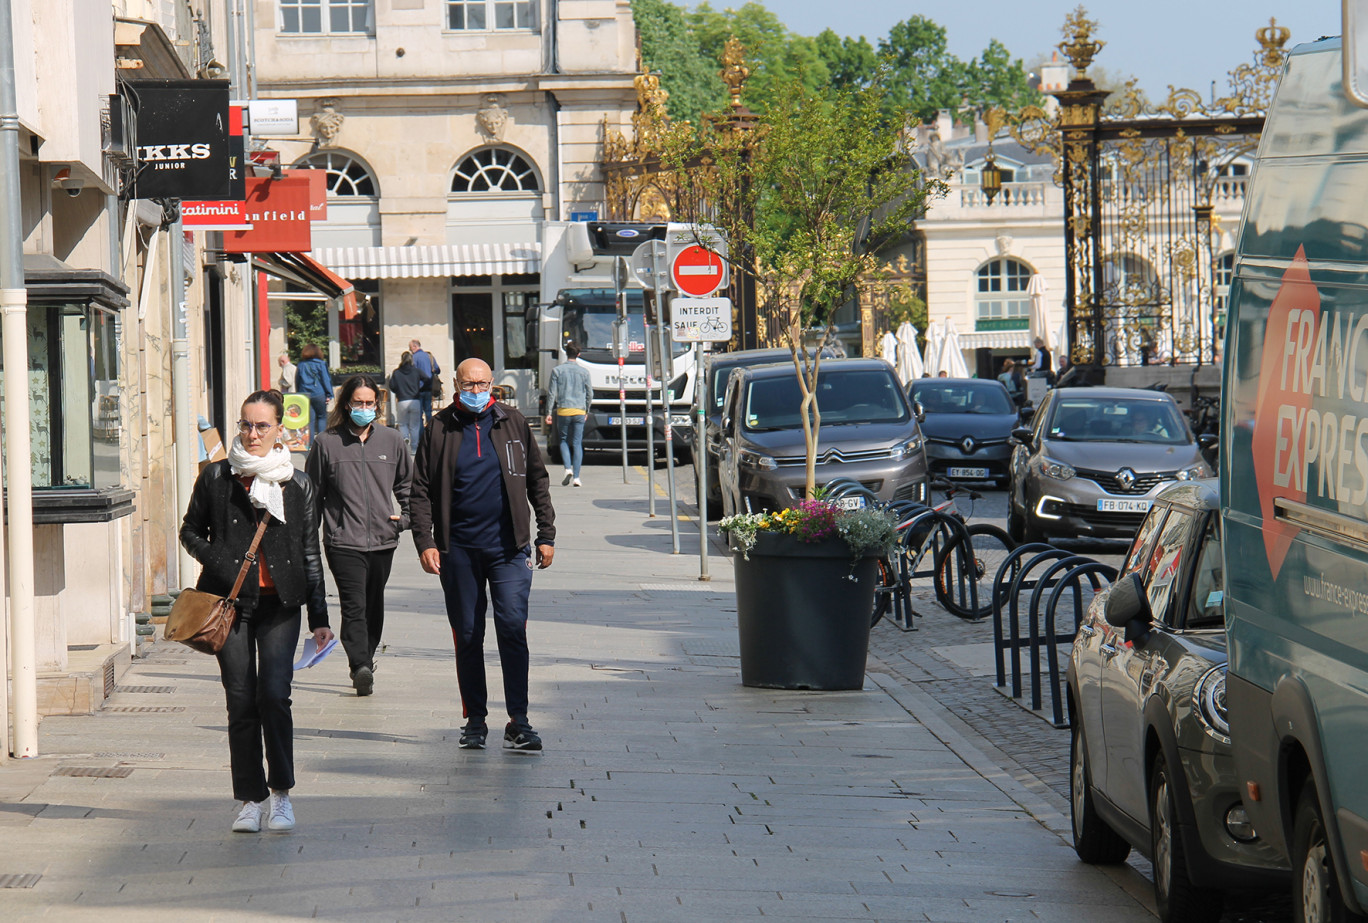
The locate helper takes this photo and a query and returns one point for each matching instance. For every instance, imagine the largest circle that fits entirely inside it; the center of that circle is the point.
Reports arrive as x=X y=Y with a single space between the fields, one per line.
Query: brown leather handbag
x=202 y=620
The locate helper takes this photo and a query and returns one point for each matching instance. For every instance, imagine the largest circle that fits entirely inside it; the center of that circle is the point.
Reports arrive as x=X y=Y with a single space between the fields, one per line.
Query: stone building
x=452 y=131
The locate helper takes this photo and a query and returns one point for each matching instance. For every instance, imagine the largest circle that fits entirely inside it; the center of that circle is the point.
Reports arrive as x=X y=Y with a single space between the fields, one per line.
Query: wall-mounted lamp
x=990 y=178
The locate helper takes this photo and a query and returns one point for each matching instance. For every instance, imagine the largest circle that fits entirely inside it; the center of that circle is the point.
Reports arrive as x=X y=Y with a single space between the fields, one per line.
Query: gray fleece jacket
x=356 y=485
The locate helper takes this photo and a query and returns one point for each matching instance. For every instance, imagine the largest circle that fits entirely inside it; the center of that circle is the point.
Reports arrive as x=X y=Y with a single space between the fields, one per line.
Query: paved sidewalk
x=667 y=790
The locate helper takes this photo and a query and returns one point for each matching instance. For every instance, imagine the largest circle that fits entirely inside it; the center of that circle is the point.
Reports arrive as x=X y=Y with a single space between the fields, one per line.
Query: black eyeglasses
x=262 y=428
x=476 y=385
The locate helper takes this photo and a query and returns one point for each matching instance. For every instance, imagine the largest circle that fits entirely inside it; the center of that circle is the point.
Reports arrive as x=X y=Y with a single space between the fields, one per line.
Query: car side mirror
x=1027 y=411
x=1207 y=440
x=919 y=411
x=1128 y=608
x=1022 y=436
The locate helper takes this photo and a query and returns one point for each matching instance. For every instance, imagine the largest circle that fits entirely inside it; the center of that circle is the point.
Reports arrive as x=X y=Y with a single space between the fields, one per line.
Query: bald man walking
x=478 y=479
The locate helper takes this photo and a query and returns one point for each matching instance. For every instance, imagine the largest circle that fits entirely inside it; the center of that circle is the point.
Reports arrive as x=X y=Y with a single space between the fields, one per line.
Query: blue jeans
x=469 y=578
x=257 y=667
x=318 y=416
x=410 y=420
x=425 y=398
x=571 y=433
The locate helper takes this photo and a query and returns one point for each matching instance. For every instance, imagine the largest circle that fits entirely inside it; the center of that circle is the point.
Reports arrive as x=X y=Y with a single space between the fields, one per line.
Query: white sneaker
x=249 y=818
x=568 y=475
x=577 y=483
x=282 y=813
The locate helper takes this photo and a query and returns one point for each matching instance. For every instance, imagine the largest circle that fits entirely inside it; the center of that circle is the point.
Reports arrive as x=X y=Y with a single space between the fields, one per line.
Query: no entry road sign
x=697 y=271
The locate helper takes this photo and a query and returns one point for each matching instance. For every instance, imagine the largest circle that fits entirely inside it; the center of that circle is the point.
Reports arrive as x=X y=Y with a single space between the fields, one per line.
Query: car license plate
x=975 y=473
x=850 y=503
x=631 y=421
x=1123 y=506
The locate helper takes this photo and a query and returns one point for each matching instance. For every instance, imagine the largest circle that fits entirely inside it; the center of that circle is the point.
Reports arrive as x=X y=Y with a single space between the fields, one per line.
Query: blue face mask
x=474 y=401
x=363 y=417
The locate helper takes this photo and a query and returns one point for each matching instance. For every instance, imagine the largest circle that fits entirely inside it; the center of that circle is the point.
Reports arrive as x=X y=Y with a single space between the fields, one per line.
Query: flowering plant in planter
x=867 y=531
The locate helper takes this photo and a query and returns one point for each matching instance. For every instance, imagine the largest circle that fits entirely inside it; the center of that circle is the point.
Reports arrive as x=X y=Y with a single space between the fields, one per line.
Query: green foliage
x=906 y=306
x=851 y=62
x=995 y=78
x=305 y=322
x=669 y=47
x=775 y=56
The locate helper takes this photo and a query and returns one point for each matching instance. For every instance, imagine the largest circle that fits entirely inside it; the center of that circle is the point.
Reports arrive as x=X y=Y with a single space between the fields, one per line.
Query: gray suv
x=869 y=433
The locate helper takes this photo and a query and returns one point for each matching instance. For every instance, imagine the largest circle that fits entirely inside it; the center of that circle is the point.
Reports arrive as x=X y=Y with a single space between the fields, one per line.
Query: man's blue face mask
x=474 y=401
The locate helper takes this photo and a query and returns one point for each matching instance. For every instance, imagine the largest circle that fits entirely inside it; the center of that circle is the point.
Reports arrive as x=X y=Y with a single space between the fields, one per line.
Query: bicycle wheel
x=886 y=575
x=988 y=547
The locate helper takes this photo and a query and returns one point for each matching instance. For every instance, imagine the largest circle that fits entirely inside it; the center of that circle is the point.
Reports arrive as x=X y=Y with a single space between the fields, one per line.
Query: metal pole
x=180 y=390
x=666 y=374
x=619 y=327
x=18 y=449
x=701 y=460
x=650 y=413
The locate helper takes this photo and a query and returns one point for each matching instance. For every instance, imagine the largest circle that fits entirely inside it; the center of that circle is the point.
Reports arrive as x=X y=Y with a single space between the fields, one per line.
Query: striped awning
x=996 y=339
x=418 y=262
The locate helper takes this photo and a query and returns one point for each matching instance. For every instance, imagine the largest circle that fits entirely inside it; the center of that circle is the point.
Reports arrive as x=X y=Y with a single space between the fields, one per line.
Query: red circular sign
x=697 y=271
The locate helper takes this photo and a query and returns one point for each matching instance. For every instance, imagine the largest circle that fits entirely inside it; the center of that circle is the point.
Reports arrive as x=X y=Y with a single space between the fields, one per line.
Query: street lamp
x=991 y=178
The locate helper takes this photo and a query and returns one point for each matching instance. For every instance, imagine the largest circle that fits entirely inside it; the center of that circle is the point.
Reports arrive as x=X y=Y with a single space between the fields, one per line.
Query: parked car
x=868 y=432
x=716 y=370
x=1151 y=765
x=1093 y=459
x=968 y=425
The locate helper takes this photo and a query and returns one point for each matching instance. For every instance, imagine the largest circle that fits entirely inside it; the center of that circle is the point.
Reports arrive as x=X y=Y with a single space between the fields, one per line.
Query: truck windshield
x=589 y=317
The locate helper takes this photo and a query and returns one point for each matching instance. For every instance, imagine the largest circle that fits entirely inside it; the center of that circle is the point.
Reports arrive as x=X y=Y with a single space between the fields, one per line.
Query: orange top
x=264 y=579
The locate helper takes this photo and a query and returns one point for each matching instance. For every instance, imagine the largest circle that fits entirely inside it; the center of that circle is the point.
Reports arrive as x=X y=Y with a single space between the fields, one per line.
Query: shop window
x=358 y=337
x=1001 y=302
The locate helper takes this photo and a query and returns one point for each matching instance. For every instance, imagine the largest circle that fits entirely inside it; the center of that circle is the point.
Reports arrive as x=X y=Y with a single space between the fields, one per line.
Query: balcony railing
x=1023 y=195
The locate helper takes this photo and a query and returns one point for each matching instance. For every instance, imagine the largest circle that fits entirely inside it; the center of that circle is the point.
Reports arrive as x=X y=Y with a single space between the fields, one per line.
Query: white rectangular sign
x=701 y=320
x=273 y=117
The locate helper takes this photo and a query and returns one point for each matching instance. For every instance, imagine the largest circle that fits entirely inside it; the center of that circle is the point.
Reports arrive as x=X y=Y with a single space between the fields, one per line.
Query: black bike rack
x=1095 y=571
x=929 y=524
x=1010 y=588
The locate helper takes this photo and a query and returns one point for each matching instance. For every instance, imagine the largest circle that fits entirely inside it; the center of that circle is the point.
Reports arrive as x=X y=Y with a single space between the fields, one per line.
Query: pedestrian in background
x=571 y=391
x=1011 y=377
x=360 y=469
x=428 y=370
x=477 y=472
x=312 y=379
x=408 y=407
x=288 y=370
x=229 y=499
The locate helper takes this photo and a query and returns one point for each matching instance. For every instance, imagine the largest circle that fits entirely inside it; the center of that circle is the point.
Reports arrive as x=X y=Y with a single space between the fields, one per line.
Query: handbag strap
x=251 y=557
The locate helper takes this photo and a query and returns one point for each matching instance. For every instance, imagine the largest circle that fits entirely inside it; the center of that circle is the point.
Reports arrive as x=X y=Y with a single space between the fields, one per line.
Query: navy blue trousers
x=471 y=578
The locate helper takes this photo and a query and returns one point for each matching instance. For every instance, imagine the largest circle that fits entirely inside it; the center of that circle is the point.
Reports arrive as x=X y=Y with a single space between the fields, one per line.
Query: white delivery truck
x=580 y=304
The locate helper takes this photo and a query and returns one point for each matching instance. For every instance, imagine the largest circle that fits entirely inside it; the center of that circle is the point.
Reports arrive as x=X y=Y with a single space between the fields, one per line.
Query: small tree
x=806 y=201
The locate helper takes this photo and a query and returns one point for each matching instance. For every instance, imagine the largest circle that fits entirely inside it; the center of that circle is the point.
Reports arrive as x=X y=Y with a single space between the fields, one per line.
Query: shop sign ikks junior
x=183 y=139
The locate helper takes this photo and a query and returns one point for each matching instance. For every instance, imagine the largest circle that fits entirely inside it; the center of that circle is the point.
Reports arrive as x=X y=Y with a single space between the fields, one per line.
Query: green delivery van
x=1294 y=482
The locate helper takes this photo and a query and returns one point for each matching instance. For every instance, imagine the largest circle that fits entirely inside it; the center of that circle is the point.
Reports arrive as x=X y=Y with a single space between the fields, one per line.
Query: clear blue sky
x=1188 y=43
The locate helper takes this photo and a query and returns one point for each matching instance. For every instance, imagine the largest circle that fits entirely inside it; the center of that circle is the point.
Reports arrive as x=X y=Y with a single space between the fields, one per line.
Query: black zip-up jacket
x=218 y=529
x=405 y=383
x=520 y=460
x=356 y=485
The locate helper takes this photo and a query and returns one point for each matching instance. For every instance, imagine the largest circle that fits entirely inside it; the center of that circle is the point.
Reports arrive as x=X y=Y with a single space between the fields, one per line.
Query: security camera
x=72 y=187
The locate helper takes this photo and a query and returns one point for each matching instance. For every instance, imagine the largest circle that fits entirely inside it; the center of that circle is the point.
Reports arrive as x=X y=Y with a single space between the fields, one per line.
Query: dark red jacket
x=524 y=477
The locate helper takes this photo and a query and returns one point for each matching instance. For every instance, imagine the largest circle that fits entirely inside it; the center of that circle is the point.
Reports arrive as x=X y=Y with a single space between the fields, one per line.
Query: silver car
x=1093 y=460
x=868 y=433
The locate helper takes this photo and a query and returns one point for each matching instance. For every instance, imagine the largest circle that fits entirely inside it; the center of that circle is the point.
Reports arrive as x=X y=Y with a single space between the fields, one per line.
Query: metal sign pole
x=666 y=371
x=701 y=460
x=650 y=419
x=619 y=326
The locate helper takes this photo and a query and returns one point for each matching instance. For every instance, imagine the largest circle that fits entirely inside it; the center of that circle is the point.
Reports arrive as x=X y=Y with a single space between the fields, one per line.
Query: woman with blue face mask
x=360 y=469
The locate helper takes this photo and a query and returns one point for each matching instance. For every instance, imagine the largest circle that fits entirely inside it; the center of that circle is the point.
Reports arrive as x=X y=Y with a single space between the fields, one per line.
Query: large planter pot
x=803 y=614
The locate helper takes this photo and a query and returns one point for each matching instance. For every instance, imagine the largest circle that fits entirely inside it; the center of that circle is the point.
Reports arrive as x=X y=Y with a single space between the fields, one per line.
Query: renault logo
x=1126 y=478
x=967 y=445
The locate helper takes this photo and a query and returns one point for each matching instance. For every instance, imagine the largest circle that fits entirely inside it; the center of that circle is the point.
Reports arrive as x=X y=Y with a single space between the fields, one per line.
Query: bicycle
x=964 y=557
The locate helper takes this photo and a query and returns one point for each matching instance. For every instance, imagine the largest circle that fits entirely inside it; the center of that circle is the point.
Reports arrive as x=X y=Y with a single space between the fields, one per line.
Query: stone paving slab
x=667 y=791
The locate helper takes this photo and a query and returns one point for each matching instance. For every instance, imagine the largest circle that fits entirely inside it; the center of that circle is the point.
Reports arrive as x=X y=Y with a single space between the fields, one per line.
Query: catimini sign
x=183 y=131
x=215 y=216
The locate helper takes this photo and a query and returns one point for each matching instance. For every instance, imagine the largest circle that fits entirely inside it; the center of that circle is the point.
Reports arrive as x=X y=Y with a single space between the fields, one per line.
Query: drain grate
x=147 y=689
x=146 y=756
x=143 y=709
x=94 y=772
x=27 y=880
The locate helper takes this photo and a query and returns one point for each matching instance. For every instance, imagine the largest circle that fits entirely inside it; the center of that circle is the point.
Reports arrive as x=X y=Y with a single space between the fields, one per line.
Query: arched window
x=347 y=176
x=494 y=169
x=1001 y=302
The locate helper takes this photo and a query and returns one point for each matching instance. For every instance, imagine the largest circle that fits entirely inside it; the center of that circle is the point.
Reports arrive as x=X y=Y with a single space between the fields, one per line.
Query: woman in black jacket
x=256 y=664
x=406 y=386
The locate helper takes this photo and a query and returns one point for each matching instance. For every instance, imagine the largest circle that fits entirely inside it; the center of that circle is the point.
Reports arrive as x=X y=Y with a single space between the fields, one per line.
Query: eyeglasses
x=364 y=405
x=262 y=428
x=476 y=385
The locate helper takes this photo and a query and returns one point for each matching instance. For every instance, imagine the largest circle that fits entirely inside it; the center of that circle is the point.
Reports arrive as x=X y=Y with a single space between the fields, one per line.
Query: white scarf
x=268 y=473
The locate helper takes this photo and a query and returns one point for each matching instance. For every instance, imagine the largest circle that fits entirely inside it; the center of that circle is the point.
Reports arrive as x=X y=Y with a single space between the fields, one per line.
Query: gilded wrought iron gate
x=1152 y=196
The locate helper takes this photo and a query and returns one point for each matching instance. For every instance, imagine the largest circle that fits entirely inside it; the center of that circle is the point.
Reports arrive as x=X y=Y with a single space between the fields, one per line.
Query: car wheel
x=1094 y=841
x=1176 y=898
x=1316 y=894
